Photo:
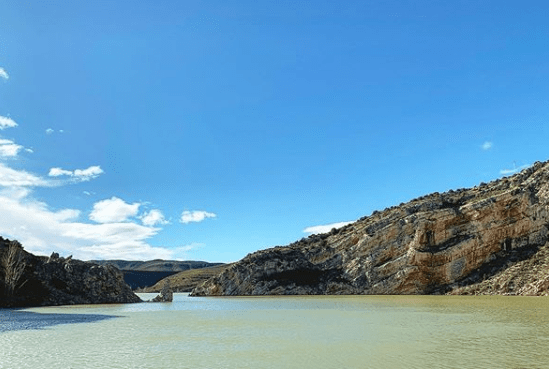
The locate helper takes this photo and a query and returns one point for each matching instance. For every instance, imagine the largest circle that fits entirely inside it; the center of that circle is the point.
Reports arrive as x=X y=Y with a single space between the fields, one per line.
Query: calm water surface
x=283 y=332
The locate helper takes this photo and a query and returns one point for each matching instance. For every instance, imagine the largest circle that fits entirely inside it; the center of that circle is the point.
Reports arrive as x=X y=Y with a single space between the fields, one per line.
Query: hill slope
x=143 y=274
x=187 y=280
x=440 y=243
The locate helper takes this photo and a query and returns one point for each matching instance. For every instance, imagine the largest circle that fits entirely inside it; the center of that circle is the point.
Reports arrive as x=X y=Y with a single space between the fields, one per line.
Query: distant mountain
x=141 y=274
x=156 y=265
x=490 y=239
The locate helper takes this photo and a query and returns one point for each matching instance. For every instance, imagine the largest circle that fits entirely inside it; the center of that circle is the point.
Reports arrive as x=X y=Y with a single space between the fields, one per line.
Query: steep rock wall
x=433 y=244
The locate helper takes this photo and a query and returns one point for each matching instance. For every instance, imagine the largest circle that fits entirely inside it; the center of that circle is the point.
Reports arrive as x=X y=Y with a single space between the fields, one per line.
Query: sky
x=208 y=130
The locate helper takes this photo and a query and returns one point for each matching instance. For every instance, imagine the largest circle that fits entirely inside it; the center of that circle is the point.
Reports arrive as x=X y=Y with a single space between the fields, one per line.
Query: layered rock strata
x=29 y=280
x=434 y=244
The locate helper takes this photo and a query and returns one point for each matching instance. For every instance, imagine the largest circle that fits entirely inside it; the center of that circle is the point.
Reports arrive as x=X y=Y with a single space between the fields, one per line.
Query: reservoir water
x=283 y=332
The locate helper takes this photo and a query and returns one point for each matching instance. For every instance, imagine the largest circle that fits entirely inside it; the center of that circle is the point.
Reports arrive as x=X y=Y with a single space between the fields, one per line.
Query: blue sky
x=208 y=130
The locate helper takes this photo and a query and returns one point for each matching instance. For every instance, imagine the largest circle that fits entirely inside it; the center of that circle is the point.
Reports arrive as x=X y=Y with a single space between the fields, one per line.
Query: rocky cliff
x=441 y=243
x=29 y=280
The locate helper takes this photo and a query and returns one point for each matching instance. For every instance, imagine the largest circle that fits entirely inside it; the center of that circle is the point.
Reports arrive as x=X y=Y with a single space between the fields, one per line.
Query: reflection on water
x=292 y=332
x=15 y=319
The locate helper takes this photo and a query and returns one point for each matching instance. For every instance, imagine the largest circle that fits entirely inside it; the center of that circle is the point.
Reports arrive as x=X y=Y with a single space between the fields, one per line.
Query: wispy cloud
x=19 y=178
x=78 y=174
x=3 y=73
x=153 y=218
x=181 y=251
x=7 y=122
x=88 y=173
x=507 y=172
x=487 y=145
x=50 y=131
x=113 y=210
x=195 y=216
x=9 y=149
x=58 y=172
x=325 y=228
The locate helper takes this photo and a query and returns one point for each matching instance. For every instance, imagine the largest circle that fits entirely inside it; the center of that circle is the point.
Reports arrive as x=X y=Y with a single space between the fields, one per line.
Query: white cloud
x=181 y=251
x=91 y=172
x=506 y=172
x=7 y=122
x=3 y=73
x=153 y=218
x=113 y=210
x=195 y=216
x=487 y=145
x=79 y=174
x=16 y=193
x=45 y=231
x=19 y=178
x=49 y=131
x=9 y=149
x=57 y=172
x=325 y=228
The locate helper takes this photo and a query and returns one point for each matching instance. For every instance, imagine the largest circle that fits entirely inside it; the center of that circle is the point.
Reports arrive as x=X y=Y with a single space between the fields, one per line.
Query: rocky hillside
x=29 y=280
x=492 y=238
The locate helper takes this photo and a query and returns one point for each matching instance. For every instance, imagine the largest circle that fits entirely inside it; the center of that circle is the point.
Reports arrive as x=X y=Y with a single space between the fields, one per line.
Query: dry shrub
x=14 y=264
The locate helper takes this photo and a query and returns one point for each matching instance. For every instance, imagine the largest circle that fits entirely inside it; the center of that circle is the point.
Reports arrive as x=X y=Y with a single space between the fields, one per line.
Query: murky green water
x=283 y=332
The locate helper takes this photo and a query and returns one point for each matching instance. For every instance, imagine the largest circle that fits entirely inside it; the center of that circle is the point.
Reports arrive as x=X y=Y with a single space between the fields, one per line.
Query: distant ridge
x=142 y=274
x=489 y=239
x=156 y=265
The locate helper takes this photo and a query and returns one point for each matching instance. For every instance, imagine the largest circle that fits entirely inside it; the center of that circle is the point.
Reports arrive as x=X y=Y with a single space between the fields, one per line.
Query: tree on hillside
x=13 y=263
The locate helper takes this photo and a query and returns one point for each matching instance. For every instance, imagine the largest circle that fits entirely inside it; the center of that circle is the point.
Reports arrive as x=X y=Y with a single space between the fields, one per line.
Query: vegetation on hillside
x=187 y=280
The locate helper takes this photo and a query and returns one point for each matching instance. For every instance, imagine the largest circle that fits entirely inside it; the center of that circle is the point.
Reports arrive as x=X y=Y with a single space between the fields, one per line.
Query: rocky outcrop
x=42 y=281
x=438 y=243
x=165 y=295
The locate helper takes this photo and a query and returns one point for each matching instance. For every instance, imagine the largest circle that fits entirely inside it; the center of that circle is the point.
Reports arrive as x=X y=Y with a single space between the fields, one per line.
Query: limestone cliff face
x=434 y=244
x=29 y=280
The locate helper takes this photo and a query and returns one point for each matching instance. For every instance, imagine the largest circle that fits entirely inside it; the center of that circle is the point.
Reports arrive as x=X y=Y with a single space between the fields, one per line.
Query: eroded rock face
x=432 y=244
x=61 y=281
